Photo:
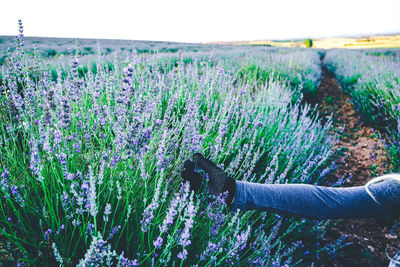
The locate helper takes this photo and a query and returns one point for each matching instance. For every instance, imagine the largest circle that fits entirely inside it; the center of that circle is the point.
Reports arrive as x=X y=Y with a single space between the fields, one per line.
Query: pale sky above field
x=199 y=21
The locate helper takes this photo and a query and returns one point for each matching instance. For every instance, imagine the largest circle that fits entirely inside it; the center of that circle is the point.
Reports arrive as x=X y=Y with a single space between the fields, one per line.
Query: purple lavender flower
x=98 y=254
x=182 y=255
x=77 y=146
x=76 y=222
x=158 y=242
x=107 y=211
x=66 y=201
x=161 y=152
x=113 y=232
x=148 y=214
x=57 y=135
x=74 y=67
x=47 y=234
x=35 y=164
x=92 y=193
x=20 y=38
x=190 y=212
x=128 y=80
x=5 y=181
x=57 y=254
x=90 y=229
x=17 y=195
x=88 y=141
x=124 y=262
x=65 y=113
x=129 y=71
x=70 y=176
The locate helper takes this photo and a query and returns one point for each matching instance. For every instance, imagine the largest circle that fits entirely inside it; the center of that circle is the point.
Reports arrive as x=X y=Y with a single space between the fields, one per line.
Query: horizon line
x=359 y=35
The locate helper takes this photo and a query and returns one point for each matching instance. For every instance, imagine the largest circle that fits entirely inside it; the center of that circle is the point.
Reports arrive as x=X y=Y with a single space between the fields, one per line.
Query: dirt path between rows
x=361 y=158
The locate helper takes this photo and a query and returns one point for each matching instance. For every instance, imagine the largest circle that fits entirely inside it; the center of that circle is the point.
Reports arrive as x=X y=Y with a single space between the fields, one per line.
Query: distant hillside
x=50 y=46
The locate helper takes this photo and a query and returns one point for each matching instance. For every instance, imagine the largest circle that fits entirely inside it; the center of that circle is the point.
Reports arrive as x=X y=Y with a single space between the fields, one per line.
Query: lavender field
x=92 y=143
x=372 y=80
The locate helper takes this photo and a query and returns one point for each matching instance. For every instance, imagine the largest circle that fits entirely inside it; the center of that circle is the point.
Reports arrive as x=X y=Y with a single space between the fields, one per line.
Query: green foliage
x=372 y=83
x=171 y=50
x=329 y=100
x=51 y=52
x=394 y=154
x=83 y=70
x=321 y=54
x=265 y=45
x=308 y=43
x=3 y=59
x=252 y=74
x=143 y=51
x=393 y=148
x=300 y=70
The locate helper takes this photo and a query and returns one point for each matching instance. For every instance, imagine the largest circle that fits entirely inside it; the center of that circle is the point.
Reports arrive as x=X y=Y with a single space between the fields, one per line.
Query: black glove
x=219 y=181
x=188 y=174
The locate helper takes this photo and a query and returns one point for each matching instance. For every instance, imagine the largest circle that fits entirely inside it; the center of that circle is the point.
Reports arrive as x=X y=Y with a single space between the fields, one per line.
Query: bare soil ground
x=361 y=157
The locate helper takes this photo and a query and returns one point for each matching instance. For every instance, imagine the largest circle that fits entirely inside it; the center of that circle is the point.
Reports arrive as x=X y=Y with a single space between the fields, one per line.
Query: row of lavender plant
x=374 y=85
x=298 y=68
x=90 y=163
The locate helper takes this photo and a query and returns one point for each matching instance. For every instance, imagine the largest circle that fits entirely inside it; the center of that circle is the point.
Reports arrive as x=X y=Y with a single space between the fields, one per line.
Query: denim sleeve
x=395 y=261
x=320 y=202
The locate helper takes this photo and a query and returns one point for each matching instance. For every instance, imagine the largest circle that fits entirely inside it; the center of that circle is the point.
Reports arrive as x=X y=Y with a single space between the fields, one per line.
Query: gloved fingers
x=194 y=178
x=205 y=164
x=188 y=165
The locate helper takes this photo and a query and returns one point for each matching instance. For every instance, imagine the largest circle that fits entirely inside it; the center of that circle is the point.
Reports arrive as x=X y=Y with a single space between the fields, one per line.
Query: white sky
x=199 y=21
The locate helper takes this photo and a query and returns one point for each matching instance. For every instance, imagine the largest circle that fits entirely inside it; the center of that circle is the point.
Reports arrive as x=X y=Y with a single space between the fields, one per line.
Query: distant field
x=50 y=47
x=390 y=41
x=54 y=47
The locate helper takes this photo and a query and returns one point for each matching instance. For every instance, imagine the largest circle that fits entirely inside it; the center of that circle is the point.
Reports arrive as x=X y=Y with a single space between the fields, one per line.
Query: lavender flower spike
x=92 y=193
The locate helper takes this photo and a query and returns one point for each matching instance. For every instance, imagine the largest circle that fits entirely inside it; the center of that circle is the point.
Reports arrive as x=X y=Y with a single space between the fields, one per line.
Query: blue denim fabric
x=395 y=261
x=320 y=202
